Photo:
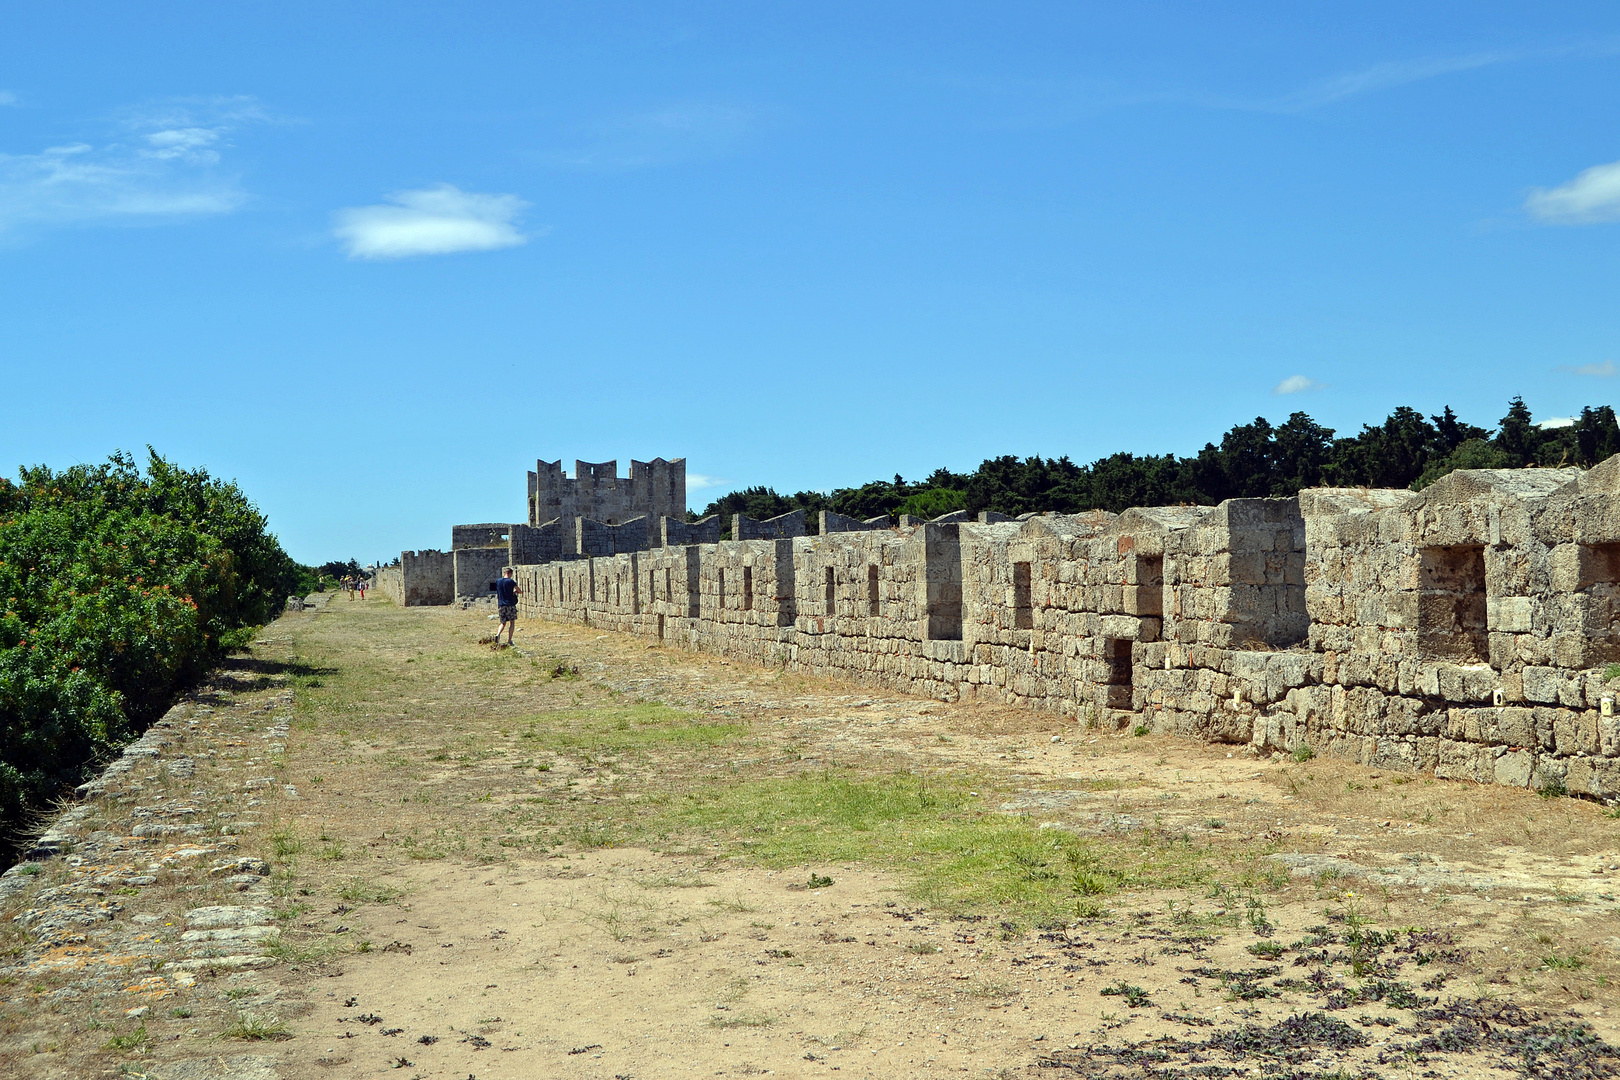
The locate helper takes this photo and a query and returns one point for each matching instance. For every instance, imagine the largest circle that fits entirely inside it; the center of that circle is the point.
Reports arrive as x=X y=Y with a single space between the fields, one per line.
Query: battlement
x=1462 y=631
x=486 y=535
x=596 y=491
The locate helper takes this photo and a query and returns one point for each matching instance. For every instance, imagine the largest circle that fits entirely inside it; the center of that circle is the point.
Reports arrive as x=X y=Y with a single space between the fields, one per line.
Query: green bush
x=117 y=589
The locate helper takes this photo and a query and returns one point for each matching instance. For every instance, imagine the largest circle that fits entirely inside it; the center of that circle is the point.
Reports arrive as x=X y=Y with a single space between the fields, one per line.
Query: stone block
x=1542 y=684
x=1466 y=683
x=1463 y=761
x=1569 y=650
x=1508 y=614
x=1514 y=768
x=1396 y=755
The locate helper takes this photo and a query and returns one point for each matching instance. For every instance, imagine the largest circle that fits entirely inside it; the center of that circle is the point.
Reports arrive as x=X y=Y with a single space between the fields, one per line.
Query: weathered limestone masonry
x=422 y=578
x=1461 y=631
x=390 y=581
x=478 y=553
x=654 y=489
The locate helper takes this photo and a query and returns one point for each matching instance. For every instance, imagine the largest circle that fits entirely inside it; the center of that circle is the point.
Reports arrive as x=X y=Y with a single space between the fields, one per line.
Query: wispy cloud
x=1593 y=196
x=1297 y=384
x=193 y=144
x=161 y=164
x=661 y=136
x=1033 y=101
x=1383 y=76
x=700 y=481
x=1556 y=422
x=7 y=97
x=1389 y=74
x=1604 y=370
x=439 y=220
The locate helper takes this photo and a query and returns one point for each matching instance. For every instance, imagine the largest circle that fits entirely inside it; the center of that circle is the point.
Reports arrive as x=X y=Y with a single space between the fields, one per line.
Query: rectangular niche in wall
x=1150 y=586
x=1451 y=604
x=694 y=583
x=873 y=593
x=1117 y=659
x=1599 y=598
x=748 y=588
x=942 y=582
x=1600 y=565
x=831 y=599
x=1023 y=606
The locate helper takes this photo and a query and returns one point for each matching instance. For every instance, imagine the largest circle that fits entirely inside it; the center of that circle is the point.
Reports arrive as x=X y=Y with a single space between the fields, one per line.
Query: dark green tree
x=1516 y=436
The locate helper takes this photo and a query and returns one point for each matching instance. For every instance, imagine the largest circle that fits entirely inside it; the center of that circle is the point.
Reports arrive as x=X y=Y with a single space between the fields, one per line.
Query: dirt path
x=591 y=858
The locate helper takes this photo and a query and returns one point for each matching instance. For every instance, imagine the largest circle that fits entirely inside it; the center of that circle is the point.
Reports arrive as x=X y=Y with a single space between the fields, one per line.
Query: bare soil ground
x=588 y=857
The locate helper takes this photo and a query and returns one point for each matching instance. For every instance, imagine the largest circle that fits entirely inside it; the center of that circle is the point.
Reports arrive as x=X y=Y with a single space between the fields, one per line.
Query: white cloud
x=1605 y=370
x=439 y=220
x=190 y=144
x=1592 y=196
x=1556 y=422
x=1297 y=384
x=162 y=167
x=700 y=481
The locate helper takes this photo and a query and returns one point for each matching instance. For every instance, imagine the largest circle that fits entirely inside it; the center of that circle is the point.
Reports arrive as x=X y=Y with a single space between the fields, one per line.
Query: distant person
x=362 y=584
x=506 y=596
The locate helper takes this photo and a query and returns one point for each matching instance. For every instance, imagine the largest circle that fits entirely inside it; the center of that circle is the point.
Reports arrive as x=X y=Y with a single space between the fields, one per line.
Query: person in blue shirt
x=506 y=600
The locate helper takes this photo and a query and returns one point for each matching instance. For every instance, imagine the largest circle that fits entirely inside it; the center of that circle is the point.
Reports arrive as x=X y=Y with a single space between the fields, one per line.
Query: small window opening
x=1023 y=608
x=1451 y=604
x=660 y=627
x=721 y=603
x=492 y=586
x=831 y=597
x=872 y=593
x=669 y=589
x=748 y=588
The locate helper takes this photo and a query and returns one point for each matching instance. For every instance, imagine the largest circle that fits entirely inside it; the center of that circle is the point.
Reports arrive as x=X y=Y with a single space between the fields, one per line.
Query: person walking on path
x=506 y=597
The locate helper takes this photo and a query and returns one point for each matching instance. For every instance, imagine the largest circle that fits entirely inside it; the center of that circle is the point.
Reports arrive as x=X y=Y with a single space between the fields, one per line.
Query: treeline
x=118 y=588
x=1258 y=459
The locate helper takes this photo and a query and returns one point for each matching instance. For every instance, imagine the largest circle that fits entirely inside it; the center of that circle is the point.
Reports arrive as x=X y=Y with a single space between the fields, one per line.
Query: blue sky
x=374 y=260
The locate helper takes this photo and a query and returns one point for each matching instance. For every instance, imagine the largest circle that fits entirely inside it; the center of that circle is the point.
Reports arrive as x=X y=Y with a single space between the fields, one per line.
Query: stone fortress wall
x=596 y=492
x=422 y=578
x=1461 y=631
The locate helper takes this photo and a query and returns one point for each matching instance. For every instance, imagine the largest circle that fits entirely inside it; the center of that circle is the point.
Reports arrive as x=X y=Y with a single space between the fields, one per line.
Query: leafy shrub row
x=118 y=588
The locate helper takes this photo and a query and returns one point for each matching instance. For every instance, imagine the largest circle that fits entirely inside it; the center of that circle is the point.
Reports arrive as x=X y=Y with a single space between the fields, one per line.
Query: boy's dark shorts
x=508 y=612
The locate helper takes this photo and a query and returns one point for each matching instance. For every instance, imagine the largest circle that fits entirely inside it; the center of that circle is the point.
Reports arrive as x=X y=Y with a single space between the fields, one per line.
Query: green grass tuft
x=626 y=730
x=958 y=854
